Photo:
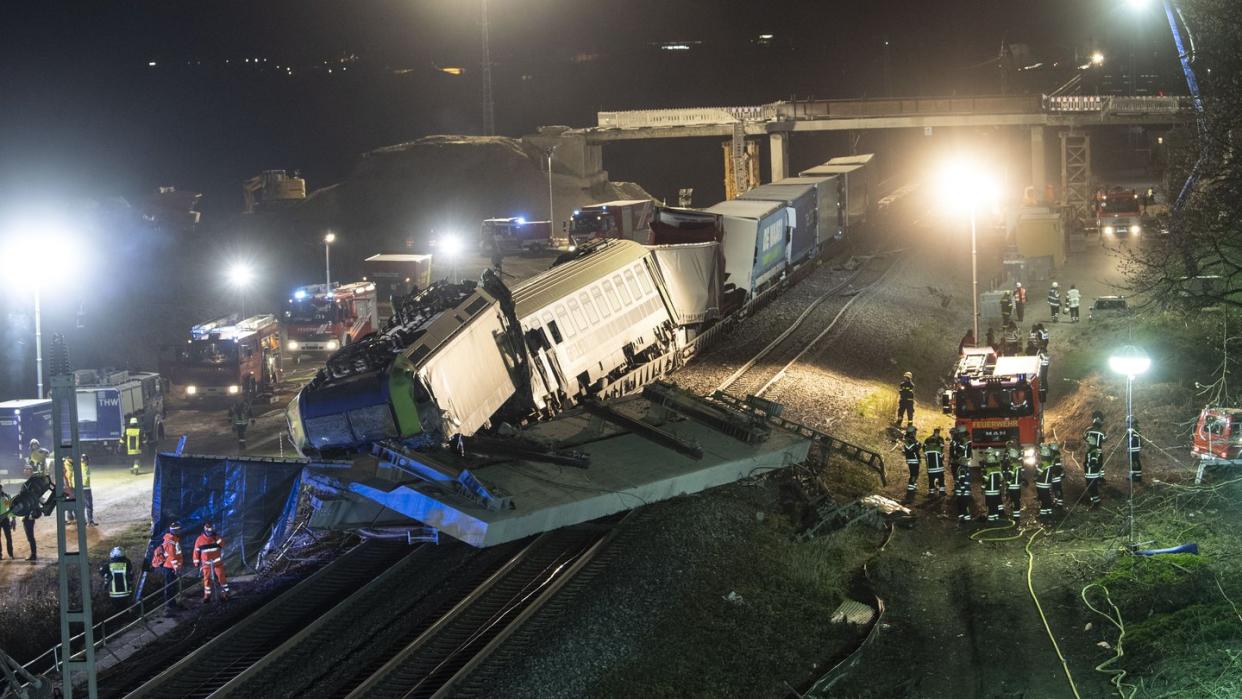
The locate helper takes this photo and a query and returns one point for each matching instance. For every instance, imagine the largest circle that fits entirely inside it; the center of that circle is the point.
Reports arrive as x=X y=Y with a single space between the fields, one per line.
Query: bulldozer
x=272 y=188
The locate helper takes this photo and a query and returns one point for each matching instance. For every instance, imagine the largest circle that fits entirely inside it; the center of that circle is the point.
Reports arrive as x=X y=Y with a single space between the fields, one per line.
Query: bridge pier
x=778 y=145
x=1039 y=163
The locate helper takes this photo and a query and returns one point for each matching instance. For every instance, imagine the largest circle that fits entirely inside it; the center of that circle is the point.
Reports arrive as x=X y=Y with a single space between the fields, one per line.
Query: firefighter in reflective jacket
x=1011 y=467
x=133 y=438
x=1054 y=302
x=207 y=557
x=1136 y=449
x=905 y=399
x=1094 y=436
x=960 y=450
x=1093 y=469
x=961 y=489
x=910 y=448
x=168 y=558
x=992 y=482
x=933 y=453
x=116 y=572
x=1058 y=472
x=1043 y=480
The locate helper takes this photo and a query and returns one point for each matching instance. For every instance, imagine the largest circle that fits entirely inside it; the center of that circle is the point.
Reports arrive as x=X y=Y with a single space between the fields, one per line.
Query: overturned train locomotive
x=457 y=357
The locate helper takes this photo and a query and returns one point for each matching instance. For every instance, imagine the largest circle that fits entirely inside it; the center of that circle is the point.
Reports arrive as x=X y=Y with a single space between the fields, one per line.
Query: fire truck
x=997 y=399
x=1217 y=440
x=322 y=319
x=227 y=359
x=629 y=219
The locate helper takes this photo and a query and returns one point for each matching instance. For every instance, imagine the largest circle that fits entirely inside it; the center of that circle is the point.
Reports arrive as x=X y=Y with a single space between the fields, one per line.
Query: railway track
x=770 y=364
x=447 y=651
x=213 y=665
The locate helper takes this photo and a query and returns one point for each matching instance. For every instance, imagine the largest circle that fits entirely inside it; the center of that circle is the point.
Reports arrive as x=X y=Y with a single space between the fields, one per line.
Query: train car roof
x=397 y=257
x=746 y=208
x=542 y=290
x=810 y=179
x=860 y=159
x=830 y=169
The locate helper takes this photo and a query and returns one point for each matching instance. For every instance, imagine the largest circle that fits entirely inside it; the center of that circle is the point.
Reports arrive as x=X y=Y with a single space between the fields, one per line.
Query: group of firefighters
x=1001 y=470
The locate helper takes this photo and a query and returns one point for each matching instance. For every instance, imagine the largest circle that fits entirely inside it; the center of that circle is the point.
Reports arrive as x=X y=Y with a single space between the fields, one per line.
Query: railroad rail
x=451 y=648
x=215 y=663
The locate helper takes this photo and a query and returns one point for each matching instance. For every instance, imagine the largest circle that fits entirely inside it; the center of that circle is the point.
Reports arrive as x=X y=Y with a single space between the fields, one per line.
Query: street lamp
x=1097 y=58
x=451 y=245
x=1130 y=362
x=36 y=253
x=965 y=185
x=240 y=275
x=551 y=216
x=328 y=240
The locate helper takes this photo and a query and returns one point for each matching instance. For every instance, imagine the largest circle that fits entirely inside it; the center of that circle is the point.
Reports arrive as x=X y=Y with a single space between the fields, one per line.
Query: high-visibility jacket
x=1094 y=437
x=1093 y=467
x=208 y=548
x=1054 y=297
x=1072 y=298
x=960 y=452
x=961 y=480
x=168 y=554
x=992 y=479
x=1136 y=442
x=6 y=505
x=86 y=475
x=910 y=448
x=1043 y=475
x=933 y=452
x=905 y=391
x=37 y=461
x=116 y=574
x=133 y=441
x=1019 y=295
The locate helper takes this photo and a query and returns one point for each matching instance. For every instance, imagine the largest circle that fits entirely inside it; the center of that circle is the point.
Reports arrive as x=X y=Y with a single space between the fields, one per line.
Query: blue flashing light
x=521 y=220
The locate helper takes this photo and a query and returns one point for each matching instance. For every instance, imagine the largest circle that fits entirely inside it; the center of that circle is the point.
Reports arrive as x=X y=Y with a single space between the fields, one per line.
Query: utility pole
x=489 y=106
x=551 y=214
x=73 y=567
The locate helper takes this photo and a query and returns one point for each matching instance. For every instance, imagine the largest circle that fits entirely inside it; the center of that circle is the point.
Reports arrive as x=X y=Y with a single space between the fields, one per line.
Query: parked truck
x=320 y=320
x=108 y=399
x=227 y=359
x=20 y=422
x=509 y=235
x=629 y=219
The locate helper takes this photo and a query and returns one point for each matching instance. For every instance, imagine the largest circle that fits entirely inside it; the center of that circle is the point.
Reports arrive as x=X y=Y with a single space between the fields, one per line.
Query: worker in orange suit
x=168 y=558
x=207 y=557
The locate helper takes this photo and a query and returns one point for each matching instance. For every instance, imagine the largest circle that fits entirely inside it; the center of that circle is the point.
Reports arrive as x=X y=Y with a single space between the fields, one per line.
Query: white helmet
x=118 y=552
x=1017 y=285
x=34 y=444
x=1054 y=285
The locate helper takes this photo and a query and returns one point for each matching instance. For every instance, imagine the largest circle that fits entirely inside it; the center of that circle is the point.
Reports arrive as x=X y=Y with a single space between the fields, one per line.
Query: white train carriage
x=590 y=318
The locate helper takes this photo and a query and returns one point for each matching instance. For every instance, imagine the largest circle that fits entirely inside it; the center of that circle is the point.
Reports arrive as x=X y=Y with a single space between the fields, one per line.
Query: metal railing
x=691 y=116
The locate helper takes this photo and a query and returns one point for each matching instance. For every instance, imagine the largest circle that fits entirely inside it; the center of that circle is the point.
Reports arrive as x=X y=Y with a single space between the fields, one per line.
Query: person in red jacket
x=168 y=558
x=207 y=557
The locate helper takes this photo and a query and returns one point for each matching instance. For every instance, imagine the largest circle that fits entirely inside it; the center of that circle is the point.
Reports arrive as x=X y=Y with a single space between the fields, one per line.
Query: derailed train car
x=456 y=357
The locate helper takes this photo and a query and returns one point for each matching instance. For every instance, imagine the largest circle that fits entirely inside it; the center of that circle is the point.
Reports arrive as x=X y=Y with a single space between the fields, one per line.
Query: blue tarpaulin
x=252 y=502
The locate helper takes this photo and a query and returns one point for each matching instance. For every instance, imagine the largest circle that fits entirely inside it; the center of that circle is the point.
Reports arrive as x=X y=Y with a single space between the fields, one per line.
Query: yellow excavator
x=272 y=188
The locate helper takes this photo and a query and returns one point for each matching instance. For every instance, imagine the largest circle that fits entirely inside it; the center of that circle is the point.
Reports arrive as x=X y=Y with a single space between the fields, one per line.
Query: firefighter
x=905 y=398
x=1006 y=308
x=910 y=449
x=1094 y=436
x=968 y=340
x=242 y=417
x=1058 y=472
x=992 y=481
x=6 y=521
x=1054 y=302
x=1136 y=449
x=36 y=465
x=1072 y=299
x=1093 y=470
x=1011 y=466
x=1019 y=301
x=1043 y=480
x=961 y=489
x=133 y=443
x=1042 y=339
x=117 y=572
x=933 y=454
x=207 y=557
x=992 y=338
x=1044 y=361
x=1011 y=338
x=960 y=450
x=66 y=465
x=168 y=557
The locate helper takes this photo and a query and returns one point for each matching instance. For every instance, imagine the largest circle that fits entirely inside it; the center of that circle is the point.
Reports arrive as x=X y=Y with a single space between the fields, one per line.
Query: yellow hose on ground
x=1030 y=586
x=1116 y=674
x=1010 y=524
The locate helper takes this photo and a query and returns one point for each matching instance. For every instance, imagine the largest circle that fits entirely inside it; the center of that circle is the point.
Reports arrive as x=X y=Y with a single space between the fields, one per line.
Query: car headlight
x=333 y=345
x=293 y=346
x=191 y=390
x=1109 y=230
x=234 y=390
x=1135 y=229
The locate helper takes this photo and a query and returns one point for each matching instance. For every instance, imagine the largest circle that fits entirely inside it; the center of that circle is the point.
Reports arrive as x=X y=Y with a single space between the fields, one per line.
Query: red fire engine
x=323 y=320
x=226 y=359
x=997 y=399
x=1217 y=439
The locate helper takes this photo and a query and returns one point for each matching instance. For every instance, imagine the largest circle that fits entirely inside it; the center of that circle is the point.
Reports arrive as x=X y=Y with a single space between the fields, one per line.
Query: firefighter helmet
x=133 y=421
x=908 y=375
x=1017 y=285
x=117 y=552
x=1054 y=448
x=34 y=444
x=175 y=527
x=1055 y=285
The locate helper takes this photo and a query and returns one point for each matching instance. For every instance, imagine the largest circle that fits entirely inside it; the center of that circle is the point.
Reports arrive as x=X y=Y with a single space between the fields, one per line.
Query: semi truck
x=225 y=358
x=108 y=399
x=321 y=319
x=628 y=219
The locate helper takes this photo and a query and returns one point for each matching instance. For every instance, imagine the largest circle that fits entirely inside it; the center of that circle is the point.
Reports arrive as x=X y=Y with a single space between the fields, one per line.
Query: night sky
x=86 y=117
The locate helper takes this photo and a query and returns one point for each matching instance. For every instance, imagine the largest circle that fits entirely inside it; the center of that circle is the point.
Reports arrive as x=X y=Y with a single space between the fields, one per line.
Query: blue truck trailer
x=20 y=422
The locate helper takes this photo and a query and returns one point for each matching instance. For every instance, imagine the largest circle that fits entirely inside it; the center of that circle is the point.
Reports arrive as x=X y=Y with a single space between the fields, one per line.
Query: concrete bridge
x=581 y=150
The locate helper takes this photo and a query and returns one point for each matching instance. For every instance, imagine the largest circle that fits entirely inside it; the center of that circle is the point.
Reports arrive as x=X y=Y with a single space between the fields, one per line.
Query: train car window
x=625 y=295
x=585 y=299
x=476 y=306
x=575 y=311
x=566 y=324
x=599 y=301
x=556 y=332
x=633 y=285
x=642 y=279
x=612 y=295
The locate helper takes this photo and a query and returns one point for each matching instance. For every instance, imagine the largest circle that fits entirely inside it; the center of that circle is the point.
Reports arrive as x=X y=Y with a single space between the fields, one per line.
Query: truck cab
x=997 y=399
x=320 y=319
x=227 y=359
